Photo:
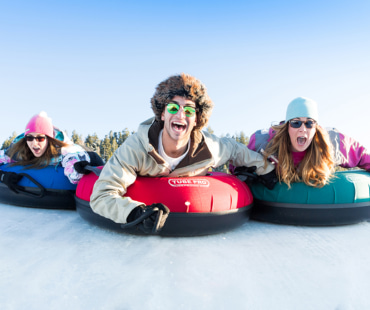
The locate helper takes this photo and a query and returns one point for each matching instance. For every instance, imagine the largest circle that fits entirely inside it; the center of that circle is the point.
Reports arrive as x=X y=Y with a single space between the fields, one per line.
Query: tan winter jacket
x=138 y=155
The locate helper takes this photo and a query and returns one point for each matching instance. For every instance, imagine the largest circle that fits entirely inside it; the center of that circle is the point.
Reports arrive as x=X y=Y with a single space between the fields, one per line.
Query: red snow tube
x=199 y=205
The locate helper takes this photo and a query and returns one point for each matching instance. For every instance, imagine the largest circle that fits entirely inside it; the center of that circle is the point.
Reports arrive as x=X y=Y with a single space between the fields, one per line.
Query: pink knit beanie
x=40 y=123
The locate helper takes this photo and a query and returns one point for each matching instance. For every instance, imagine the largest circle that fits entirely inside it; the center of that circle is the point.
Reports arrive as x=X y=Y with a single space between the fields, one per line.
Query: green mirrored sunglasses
x=173 y=108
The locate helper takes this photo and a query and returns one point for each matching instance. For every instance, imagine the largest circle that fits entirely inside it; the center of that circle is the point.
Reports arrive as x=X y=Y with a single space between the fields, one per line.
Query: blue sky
x=93 y=65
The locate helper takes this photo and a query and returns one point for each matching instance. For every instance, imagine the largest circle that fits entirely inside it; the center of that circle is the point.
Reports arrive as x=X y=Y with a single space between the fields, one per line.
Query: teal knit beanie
x=302 y=107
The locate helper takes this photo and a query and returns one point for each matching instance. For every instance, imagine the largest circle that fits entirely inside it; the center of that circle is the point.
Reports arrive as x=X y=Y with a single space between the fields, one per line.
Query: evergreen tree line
x=104 y=147
x=110 y=143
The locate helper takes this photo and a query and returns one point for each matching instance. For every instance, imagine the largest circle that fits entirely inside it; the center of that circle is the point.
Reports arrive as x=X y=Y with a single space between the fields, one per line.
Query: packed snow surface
x=56 y=260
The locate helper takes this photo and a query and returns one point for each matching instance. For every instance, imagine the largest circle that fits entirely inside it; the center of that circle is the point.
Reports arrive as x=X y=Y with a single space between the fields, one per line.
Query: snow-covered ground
x=56 y=260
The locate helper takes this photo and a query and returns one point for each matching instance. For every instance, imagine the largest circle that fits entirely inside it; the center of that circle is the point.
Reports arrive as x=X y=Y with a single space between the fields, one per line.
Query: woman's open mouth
x=301 y=141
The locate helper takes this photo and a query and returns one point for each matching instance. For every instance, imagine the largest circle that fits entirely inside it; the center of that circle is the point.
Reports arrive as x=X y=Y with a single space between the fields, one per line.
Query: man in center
x=169 y=145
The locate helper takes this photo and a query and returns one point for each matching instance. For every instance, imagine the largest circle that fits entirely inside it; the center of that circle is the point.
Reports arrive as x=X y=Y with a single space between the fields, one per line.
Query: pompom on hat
x=302 y=107
x=40 y=123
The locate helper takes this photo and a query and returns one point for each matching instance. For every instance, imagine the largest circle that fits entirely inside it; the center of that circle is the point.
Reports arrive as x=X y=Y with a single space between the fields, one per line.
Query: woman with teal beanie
x=303 y=150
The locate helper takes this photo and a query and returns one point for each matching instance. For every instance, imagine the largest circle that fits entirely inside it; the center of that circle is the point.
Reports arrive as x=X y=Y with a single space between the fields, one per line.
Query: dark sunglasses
x=298 y=124
x=173 y=108
x=38 y=139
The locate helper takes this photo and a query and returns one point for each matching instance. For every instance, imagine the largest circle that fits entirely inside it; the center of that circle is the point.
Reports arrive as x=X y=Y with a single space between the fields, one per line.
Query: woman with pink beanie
x=41 y=145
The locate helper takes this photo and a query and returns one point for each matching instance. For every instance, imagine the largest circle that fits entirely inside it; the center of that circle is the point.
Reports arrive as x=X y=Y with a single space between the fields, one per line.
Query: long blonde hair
x=317 y=165
x=22 y=155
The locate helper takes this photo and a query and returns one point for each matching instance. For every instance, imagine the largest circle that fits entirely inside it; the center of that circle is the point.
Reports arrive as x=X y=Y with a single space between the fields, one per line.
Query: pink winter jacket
x=348 y=153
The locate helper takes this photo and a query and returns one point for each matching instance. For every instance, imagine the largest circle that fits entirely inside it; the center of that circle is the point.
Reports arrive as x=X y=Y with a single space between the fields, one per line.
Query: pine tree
x=114 y=146
x=76 y=138
x=106 y=149
x=243 y=138
x=123 y=136
x=93 y=143
x=9 y=141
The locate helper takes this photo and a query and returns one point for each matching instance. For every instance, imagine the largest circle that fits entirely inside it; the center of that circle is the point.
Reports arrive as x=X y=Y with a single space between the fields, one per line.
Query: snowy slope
x=55 y=260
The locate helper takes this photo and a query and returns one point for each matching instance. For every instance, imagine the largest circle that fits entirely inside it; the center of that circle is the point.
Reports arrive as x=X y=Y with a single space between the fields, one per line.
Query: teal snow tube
x=345 y=200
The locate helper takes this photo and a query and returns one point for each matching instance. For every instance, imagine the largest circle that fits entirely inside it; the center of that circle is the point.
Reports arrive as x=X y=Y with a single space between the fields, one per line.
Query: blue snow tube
x=46 y=188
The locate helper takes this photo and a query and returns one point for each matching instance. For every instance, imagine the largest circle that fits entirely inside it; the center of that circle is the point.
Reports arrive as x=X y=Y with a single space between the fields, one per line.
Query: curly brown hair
x=186 y=86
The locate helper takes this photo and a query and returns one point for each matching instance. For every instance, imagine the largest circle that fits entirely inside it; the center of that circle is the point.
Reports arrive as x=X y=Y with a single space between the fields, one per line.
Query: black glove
x=10 y=179
x=80 y=167
x=95 y=159
x=149 y=219
x=268 y=179
x=246 y=174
